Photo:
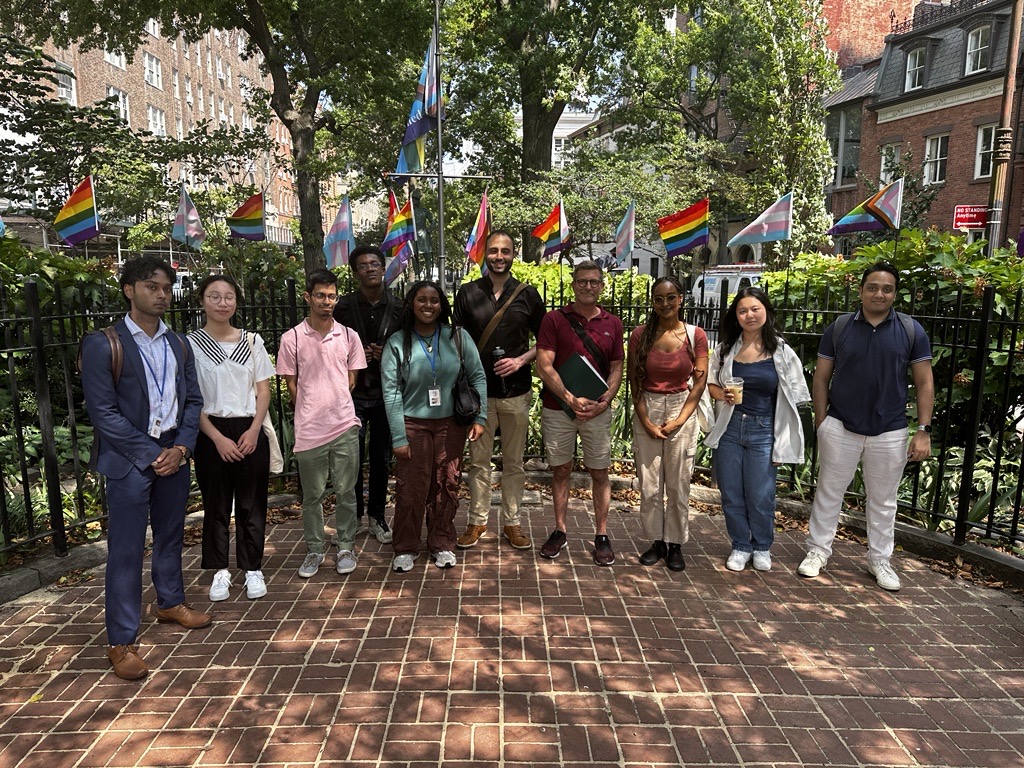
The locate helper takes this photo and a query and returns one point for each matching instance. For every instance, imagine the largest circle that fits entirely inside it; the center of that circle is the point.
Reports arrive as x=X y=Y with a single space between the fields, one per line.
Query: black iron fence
x=972 y=487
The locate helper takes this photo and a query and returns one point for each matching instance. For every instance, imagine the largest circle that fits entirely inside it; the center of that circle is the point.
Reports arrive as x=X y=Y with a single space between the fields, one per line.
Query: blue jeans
x=746 y=478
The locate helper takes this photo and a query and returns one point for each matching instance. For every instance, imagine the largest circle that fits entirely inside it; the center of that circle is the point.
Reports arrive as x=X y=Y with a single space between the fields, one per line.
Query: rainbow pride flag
x=685 y=229
x=776 y=223
x=880 y=211
x=477 y=243
x=554 y=231
x=247 y=222
x=401 y=229
x=78 y=219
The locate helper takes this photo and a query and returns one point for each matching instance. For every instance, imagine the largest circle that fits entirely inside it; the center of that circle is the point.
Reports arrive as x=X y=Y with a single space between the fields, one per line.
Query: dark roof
x=854 y=88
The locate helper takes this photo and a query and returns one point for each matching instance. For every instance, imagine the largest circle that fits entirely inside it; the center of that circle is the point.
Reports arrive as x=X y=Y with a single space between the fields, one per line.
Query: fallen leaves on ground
x=72 y=578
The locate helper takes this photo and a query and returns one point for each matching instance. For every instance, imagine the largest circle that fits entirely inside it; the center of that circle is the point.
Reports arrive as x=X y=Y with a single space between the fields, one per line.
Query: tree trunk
x=307 y=186
x=539 y=123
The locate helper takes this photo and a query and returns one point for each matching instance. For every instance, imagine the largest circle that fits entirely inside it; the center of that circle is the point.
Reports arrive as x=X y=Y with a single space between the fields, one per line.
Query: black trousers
x=372 y=415
x=243 y=483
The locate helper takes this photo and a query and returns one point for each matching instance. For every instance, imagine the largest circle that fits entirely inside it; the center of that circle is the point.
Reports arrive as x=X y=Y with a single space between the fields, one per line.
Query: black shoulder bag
x=465 y=399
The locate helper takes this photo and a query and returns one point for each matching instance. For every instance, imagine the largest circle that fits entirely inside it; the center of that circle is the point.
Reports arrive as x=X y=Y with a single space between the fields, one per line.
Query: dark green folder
x=582 y=379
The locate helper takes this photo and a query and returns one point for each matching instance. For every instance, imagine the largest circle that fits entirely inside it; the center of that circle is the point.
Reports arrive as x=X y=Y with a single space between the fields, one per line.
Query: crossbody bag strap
x=589 y=343
x=491 y=326
x=385 y=321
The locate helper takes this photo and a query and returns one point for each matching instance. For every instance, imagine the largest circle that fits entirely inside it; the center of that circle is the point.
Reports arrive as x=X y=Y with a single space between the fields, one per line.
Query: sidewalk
x=512 y=660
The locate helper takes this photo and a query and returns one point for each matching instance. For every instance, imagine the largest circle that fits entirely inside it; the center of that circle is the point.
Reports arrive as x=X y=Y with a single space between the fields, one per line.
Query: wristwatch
x=926 y=428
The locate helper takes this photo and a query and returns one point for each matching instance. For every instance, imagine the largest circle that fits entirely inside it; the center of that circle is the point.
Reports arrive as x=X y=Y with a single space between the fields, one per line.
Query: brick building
x=936 y=92
x=857 y=30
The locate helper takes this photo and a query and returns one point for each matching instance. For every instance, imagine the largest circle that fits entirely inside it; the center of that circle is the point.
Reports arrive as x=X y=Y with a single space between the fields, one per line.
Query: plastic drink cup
x=735 y=386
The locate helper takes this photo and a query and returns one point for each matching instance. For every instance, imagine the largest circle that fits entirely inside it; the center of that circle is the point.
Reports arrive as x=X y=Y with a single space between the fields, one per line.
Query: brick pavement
x=511 y=660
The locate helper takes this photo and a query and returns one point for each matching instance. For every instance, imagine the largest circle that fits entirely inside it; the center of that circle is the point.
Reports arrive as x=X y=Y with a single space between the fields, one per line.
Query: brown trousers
x=428 y=483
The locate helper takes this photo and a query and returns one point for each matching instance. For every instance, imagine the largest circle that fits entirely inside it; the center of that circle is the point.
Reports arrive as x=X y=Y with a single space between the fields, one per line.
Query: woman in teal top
x=418 y=370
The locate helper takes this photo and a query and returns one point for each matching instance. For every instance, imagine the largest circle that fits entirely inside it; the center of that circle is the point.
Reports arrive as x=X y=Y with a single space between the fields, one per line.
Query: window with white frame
x=221 y=112
x=890 y=162
x=174 y=80
x=202 y=102
x=211 y=107
x=157 y=120
x=209 y=62
x=216 y=34
x=241 y=43
x=199 y=55
x=915 y=69
x=246 y=121
x=188 y=89
x=153 y=27
x=66 y=84
x=231 y=114
x=154 y=73
x=229 y=75
x=983 y=154
x=842 y=129
x=978 y=50
x=220 y=68
x=936 y=153
x=115 y=58
x=179 y=128
x=120 y=103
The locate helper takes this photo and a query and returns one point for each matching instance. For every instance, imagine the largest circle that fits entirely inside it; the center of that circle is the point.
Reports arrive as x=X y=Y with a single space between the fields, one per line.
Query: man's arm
x=924 y=385
x=289 y=381
x=819 y=388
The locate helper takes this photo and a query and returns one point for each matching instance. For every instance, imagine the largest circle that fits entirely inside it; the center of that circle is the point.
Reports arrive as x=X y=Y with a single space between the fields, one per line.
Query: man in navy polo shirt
x=562 y=334
x=860 y=415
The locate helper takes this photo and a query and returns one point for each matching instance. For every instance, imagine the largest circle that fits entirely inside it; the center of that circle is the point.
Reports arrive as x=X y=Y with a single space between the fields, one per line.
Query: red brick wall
x=858 y=30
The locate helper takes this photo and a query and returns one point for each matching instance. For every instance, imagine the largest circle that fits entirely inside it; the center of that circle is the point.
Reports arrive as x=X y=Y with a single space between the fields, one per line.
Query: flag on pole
x=402 y=254
x=340 y=241
x=554 y=231
x=188 y=229
x=685 y=229
x=880 y=211
x=476 y=246
x=422 y=116
x=625 y=235
x=247 y=222
x=78 y=219
x=776 y=223
x=400 y=230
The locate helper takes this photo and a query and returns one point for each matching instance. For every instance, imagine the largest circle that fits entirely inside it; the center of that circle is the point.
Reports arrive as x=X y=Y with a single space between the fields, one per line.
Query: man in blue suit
x=145 y=421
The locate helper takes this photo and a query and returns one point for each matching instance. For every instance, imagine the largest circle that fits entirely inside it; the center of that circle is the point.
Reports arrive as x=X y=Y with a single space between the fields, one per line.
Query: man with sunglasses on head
x=582 y=328
x=314 y=357
x=374 y=313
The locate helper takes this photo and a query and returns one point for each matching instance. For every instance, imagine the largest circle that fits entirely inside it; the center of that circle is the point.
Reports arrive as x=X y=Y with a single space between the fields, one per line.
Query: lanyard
x=163 y=375
x=432 y=355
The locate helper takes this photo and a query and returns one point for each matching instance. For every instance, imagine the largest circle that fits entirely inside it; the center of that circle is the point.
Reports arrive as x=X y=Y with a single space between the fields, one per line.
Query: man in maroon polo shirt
x=563 y=333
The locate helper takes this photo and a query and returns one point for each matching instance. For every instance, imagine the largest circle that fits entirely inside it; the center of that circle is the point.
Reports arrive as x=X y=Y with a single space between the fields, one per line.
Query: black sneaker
x=555 y=543
x=603 y=554
x=654 y=554
x=674 y=559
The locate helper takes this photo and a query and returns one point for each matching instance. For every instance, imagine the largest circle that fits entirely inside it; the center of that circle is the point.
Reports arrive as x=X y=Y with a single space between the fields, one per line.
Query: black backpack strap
x=589 y=343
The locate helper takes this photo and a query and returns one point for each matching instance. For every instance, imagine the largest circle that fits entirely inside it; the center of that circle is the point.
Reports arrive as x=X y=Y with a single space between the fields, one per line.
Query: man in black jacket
x=374 y=313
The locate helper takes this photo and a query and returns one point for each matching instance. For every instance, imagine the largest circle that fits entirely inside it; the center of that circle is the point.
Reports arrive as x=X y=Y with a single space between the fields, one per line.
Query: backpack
x=116 y=352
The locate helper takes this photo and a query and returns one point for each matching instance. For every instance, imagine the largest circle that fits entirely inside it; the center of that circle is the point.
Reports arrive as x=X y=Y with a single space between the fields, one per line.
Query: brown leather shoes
x=127 y=663
x=184 y=615
x=471 y=536
x=515 y=536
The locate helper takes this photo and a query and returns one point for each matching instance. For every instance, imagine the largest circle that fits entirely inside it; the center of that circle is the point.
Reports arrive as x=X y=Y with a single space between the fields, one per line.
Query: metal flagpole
x=442 y=276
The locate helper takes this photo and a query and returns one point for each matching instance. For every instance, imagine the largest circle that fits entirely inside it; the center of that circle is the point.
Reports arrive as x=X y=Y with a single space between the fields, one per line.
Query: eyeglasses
x=589 y=283
x=216 y=298
x=368 y=266
x=670 y=298
x=330 y=298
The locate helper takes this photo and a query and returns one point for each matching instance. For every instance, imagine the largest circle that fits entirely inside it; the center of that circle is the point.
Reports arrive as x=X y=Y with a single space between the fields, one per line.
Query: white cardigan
x=789 y=430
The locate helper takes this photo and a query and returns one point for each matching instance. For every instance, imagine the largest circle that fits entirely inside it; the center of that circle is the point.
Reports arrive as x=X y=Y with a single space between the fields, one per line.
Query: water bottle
x=497 y=354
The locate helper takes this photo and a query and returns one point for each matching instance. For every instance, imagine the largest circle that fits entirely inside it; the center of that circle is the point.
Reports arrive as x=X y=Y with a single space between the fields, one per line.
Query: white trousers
x=882 y=458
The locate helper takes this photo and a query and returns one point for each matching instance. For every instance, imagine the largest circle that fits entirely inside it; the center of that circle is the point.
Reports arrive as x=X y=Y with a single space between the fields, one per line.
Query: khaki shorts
x=560 y=438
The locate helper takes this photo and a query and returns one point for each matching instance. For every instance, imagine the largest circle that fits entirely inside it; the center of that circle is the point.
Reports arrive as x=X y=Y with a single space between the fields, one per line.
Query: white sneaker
x=346 y=562
x=380 y=531
x=811 y=565
x=220 y=589
x=255 y=585
x=885 y=576
x=444 y=559
x=763 y=561
x=311 y=565
x=403 y=563
x=738 y=560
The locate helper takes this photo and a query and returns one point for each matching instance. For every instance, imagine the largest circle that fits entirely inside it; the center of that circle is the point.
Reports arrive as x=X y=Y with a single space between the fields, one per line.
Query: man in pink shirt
x=313 y=357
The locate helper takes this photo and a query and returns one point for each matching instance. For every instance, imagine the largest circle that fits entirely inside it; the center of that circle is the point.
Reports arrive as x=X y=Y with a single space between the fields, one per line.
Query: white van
x=707 y=287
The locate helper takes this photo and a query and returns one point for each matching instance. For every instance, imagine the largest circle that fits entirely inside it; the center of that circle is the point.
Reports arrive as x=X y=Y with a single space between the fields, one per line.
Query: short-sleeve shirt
x=669 y=372
x=227 y=371
x=323 y=403
x=868 y=391
x=557 y=335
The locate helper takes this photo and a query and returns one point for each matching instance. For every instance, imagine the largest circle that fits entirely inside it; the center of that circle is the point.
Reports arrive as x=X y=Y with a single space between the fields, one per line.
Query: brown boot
x=516 y=537
x=471 y=536
x=184 y=615
x=127 y=663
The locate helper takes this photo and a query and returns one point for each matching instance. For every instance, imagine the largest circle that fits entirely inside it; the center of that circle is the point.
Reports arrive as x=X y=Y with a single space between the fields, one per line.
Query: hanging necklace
x=428 y=341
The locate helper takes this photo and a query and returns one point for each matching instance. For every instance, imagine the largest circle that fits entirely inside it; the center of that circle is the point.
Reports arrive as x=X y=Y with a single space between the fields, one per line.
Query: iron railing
x=972 y=487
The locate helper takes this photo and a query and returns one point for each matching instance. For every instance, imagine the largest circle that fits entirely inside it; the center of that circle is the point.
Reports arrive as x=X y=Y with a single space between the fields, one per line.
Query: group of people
x=371 y=377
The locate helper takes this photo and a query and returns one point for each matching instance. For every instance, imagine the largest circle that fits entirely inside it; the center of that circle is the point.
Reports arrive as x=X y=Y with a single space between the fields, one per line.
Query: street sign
x=970 y=216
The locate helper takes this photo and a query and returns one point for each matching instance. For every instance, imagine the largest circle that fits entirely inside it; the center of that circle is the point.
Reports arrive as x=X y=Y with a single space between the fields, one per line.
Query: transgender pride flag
x=776 y=223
